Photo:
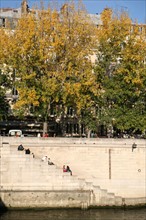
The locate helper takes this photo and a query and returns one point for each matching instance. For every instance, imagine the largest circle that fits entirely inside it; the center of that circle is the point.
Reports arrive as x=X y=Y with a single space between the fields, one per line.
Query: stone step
x=34 y=174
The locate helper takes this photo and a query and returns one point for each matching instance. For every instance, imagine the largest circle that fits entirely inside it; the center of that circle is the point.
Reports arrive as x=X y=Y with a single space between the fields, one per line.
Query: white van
x=16 y=133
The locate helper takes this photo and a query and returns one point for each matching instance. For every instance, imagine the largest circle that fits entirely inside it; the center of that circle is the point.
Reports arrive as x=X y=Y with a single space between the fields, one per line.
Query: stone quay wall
x=106 y=172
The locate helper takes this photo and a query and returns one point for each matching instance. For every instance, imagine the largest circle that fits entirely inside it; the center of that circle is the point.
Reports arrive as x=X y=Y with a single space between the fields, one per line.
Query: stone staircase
x=22 y=172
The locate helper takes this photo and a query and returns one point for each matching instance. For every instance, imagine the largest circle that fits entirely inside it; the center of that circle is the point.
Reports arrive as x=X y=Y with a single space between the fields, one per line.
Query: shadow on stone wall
x=3 y=208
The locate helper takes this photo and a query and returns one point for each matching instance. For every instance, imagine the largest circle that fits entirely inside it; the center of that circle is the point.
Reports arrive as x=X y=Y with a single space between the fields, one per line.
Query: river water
x=93 y=214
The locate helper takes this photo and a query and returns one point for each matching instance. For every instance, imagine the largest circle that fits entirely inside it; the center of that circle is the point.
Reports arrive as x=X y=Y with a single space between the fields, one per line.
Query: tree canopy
x=121 y=70
x=49 y=53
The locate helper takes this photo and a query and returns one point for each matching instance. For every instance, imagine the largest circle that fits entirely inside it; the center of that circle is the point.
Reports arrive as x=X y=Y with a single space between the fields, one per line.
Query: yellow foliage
x=106 y=17
x=29 y=76
x=51 y=56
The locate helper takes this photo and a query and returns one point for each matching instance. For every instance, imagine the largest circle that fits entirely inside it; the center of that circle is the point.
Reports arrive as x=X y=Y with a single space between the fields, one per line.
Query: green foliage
x=47 y=59
x=4 y=106
x=51 y=56
x=121 y=71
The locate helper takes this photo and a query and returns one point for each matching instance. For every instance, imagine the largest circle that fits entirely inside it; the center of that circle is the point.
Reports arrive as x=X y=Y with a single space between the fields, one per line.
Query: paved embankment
x=105 y=172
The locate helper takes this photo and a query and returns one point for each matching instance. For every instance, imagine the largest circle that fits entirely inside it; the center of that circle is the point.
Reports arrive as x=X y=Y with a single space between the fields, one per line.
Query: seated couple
x=67 y=169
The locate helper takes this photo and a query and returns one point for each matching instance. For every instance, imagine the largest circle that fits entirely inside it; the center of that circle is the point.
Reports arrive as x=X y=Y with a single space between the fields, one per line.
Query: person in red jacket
x=64 y=169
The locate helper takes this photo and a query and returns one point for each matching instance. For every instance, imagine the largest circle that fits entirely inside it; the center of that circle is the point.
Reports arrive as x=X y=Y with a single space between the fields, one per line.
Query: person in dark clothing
x=50 y=162
x=134 y=146
x=27 y=151
x=68 y=170
x=20 y=147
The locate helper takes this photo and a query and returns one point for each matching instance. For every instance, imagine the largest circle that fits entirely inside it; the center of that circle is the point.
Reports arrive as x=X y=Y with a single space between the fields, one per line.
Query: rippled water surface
x=94 y=214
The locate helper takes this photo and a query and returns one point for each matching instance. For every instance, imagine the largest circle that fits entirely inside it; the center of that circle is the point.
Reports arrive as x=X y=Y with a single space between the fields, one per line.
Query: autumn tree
x=121 y=70
x=50 y=52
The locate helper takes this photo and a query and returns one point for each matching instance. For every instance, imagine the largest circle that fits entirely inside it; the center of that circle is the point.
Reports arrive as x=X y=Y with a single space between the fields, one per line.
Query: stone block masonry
x=106 y=172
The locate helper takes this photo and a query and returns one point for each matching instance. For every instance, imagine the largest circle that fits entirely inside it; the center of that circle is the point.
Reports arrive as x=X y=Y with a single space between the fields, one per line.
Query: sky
x=135 y=8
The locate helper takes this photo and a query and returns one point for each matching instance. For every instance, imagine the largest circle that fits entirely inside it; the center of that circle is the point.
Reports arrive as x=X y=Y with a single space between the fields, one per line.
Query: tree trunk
x=45 y=128
x=88 y=132
x=80 y=133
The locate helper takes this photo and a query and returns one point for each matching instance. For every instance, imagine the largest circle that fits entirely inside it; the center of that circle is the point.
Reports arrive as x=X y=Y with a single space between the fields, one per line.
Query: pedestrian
x=39 y=135
x=134 y=146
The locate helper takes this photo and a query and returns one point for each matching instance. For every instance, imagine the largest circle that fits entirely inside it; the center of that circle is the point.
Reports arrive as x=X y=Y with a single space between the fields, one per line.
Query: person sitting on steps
x=20 y=147
x=64 y=169
x=27 y=151
x=67 y=169
x=45 y=159
x=50 y=162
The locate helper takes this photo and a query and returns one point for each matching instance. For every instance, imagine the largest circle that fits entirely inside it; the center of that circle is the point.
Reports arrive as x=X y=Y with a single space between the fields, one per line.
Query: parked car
x=16 y=133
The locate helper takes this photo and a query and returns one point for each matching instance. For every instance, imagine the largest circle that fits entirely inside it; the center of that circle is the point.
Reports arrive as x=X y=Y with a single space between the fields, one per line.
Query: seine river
x=94 y=214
